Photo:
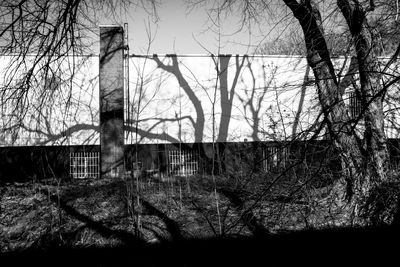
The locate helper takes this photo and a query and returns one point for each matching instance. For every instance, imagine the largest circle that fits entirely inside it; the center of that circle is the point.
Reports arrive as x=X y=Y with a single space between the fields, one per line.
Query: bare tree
x=43 y=37
x=364 y=157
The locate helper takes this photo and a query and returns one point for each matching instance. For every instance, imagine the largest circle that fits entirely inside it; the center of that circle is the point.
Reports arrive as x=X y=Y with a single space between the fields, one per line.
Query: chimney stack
x=111 y=83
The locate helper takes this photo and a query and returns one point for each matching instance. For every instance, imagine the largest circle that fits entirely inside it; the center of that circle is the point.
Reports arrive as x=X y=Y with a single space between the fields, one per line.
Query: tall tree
x=364 y=157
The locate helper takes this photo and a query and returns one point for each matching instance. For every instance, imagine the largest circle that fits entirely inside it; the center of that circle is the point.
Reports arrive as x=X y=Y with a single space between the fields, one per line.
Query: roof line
x=221 y=55
x=188 y=55
x=240 y=55
x=35 y=54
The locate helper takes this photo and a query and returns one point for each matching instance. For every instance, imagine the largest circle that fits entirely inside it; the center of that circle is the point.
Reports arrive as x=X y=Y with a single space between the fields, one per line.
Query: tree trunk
x=372 y=102
x=371 y=88
x=363 y=161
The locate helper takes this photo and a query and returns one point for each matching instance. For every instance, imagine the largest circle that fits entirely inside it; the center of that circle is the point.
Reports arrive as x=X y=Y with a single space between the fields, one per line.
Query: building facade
x=117 y=112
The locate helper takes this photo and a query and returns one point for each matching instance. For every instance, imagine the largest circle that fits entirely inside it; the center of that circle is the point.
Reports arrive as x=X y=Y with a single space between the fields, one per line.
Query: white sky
x=179 y=31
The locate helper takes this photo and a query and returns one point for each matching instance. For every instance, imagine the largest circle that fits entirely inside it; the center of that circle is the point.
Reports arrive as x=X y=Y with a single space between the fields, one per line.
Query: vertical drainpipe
x=111 y=82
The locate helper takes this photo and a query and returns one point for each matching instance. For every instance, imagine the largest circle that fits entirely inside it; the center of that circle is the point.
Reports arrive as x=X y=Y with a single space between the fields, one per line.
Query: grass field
x=180 y=220
x=107 y=212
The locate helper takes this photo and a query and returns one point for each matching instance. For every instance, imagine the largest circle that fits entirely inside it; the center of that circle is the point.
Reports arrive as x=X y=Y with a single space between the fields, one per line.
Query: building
x=106 y=114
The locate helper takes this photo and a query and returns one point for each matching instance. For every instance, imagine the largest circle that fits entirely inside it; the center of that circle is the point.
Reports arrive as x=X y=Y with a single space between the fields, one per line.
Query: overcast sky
x=180 y=31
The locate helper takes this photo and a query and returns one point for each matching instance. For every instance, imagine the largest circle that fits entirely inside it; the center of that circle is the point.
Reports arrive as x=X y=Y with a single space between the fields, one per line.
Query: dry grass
x=104 y=212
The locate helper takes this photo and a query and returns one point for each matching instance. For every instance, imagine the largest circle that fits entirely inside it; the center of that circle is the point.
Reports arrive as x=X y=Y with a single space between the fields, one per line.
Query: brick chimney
x=111 y=82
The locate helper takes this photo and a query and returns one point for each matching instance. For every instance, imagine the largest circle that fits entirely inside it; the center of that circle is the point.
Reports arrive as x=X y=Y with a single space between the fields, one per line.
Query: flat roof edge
x=110 y=25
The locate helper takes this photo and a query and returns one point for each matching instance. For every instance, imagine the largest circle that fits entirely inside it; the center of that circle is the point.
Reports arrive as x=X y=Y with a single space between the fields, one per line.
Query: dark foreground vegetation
x=180 y=222
x=312 y=247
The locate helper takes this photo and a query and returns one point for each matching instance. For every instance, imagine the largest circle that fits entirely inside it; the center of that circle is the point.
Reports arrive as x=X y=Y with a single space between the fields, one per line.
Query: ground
x=59 y=212
x=85 y=214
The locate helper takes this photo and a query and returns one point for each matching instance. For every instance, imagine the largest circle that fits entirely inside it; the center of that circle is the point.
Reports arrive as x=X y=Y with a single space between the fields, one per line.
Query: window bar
x=84 y=165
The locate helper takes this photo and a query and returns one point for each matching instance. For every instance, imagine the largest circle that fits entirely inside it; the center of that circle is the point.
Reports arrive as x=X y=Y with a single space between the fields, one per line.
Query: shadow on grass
x=247 y=216
x=124 y=236
x=311 y=247
x=172 y=226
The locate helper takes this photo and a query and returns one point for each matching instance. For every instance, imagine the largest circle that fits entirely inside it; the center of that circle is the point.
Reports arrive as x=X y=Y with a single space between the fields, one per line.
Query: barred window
x=84 y=165
x=275 y=157
x=183 y=162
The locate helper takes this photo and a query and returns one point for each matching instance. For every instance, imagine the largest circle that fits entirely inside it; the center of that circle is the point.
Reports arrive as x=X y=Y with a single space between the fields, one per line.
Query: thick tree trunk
x=371 y=89
x=372 y=100
x=363 y=161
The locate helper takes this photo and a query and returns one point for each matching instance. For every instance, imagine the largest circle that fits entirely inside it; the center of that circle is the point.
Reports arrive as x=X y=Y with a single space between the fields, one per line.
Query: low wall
x=24 y=163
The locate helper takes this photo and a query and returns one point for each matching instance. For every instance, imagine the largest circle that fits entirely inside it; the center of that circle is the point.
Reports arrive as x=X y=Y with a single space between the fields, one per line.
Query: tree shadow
x=172 y=226
x=124 y=236
x=246 y=215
